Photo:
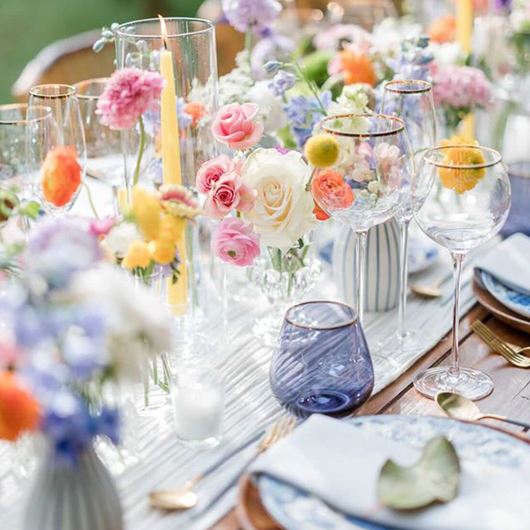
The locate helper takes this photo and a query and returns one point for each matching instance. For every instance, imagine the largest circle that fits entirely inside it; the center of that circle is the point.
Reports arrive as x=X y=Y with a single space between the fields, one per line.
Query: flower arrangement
x=73 y=325
x=266 y=189
x=145 y=240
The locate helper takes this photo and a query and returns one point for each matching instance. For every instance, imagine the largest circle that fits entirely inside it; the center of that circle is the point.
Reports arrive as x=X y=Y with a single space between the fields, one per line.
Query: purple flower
x=282 y=82
x=57 y=248
x=250 y=14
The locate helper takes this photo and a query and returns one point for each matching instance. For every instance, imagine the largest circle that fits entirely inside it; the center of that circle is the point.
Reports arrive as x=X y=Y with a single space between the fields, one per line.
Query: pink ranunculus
x=128 y=94
x=235 y=125
x=229 y=193
x=235 y=242
x=212 y=170
x=101 y=227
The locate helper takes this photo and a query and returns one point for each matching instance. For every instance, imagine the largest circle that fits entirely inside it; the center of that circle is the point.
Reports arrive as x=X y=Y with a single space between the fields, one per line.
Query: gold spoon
x=460 y=408
x=429 y=290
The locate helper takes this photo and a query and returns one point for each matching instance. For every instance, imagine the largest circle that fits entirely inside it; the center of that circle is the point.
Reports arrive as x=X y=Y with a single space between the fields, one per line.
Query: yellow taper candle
x=464 y=35
x=171 y=170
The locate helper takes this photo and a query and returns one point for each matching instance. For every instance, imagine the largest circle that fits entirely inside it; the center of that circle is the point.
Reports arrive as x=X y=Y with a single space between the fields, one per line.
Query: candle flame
x=163 y=31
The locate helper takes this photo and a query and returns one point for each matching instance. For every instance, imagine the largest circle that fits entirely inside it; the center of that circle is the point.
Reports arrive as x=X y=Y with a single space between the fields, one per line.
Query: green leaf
x=434 y=478
x=30 y=209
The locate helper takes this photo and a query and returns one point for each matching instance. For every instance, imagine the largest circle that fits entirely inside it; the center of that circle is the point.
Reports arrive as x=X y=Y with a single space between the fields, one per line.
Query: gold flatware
x=184 y=497
x=431 y=290
x=460 y=408
x=500 y=346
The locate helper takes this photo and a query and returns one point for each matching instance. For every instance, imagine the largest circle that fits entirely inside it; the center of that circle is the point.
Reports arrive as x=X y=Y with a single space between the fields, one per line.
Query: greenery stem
x=91 y=200
x=141 y=149
x=311 y=86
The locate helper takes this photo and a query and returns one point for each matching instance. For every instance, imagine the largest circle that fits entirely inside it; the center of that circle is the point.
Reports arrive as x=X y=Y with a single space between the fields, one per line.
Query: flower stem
x=310 y=86
x=141 y=149
x=91 y=200
x=248 y=46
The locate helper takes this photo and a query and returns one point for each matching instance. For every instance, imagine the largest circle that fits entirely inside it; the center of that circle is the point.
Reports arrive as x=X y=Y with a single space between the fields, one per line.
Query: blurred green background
x=27 y=26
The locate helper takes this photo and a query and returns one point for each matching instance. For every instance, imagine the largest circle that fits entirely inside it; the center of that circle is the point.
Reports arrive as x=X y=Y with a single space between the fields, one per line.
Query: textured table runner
x=250 y=406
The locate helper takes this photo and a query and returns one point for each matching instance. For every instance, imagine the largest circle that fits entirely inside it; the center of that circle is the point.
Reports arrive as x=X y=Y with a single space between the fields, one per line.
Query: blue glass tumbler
x=322 y=364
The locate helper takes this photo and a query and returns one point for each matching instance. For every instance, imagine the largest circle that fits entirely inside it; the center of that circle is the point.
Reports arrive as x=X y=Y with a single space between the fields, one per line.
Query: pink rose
x=228 y=193
x=235 y=242
x=235 y=126
x=211 y=171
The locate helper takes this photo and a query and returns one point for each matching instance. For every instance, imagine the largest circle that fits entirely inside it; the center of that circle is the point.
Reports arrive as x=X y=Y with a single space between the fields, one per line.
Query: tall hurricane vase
x=191 y=42
x=80 y=496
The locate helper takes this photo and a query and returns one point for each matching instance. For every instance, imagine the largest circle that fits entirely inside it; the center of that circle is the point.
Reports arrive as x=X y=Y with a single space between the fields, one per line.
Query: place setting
x=268 y=270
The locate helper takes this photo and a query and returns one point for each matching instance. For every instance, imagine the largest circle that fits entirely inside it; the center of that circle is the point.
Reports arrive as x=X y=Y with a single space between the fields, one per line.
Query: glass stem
x=403 y=267
x=360 y=269
x=457 y=267
x=141 y=148
x=224 y=295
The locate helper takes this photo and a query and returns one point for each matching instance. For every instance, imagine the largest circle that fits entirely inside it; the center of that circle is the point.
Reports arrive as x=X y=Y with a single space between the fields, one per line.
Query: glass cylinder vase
x=191 y=42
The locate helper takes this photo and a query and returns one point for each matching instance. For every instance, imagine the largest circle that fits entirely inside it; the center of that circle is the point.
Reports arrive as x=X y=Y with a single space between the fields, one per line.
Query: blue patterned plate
x=294 y=509
x=518 y=302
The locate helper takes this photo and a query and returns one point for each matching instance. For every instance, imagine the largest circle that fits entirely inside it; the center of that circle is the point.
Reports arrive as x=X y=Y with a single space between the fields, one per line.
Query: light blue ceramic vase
x=74 y=497
x=382 y=266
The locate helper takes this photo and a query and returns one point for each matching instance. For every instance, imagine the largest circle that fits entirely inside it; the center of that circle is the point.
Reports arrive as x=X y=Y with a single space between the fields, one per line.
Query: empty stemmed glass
x=466 y=206
x=322 y=364
x=412 y=101
x=64 y=151
x=363 y=188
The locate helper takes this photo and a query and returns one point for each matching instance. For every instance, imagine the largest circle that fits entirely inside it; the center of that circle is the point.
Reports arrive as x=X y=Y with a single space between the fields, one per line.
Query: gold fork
x=500 y=346
x=184 y=498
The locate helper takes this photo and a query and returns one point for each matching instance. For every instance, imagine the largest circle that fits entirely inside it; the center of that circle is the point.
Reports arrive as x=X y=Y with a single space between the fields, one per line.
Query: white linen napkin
x=509 y=262
x=340 y=464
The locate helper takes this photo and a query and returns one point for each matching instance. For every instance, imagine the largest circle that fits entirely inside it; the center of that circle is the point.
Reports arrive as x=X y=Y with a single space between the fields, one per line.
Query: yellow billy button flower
x=163 y=252
x=137 y=255
x=322 y=150
x=146 y=210
x=461 y=180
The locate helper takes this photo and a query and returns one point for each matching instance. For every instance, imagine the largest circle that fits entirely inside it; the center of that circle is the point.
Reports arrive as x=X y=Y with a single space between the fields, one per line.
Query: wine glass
x=466 y=206
x=322 y=364
x=61 y=195
x=363 y=188
x=412 y=101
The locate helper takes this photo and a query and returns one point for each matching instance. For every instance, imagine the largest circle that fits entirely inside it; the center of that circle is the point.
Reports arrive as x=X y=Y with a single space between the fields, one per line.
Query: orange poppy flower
x=195 y=110
x=443 y=29
x=357 y=68
x=61 y=175
x=329 y=188
x=19 y=411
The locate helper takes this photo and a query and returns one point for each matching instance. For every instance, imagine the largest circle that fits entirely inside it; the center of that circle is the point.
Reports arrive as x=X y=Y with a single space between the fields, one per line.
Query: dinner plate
x=295 y=509
x=518 y=302
x=499 y=310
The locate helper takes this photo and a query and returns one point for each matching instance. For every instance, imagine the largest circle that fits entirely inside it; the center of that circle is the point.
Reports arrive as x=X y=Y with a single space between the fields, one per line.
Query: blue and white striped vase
x=81 y=496
x=382 y=266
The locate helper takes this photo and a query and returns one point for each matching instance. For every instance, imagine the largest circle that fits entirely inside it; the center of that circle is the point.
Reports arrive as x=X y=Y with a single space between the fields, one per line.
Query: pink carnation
x=235 y=242
x=101 y=227
x=129 y=93
x=212 y=170
x=460 y=87
x=235 y=126
x=229 y=193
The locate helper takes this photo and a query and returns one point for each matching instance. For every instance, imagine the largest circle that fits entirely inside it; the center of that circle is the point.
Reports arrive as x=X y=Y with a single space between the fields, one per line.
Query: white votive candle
x=198 y=405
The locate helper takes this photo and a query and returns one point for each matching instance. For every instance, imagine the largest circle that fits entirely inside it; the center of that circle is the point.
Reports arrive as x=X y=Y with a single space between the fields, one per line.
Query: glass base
x=398 y=343
x=268 y=328
x=207 y=443
x=470 y=383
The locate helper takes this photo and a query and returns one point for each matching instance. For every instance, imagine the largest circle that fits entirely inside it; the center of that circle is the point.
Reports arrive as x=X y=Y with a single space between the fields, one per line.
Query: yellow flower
x=137 y=255
x=163 y=252
x=461 y=180
x=322 y=150
x=146 y=210
x=171 y=228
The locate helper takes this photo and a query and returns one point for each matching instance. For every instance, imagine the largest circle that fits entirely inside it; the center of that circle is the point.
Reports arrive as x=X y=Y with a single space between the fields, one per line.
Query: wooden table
x=511 y=396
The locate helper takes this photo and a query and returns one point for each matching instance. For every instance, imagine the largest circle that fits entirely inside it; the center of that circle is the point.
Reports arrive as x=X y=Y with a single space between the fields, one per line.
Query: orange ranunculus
x=19 y=412
x=357 y=68
x=320 y=214
x=329 y=188
x=195 y=110
x=443 y=29
x=61 y=175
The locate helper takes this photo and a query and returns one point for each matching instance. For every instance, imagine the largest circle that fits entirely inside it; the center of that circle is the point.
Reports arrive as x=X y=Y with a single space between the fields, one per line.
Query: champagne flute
x=467 y=205
x=69 y=134
x=412 y=101
x=363 y=188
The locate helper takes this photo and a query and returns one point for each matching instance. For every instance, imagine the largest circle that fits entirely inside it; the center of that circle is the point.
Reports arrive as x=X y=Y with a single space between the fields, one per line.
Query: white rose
x=121 y=236
x=271 y=107
x=283 y=211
